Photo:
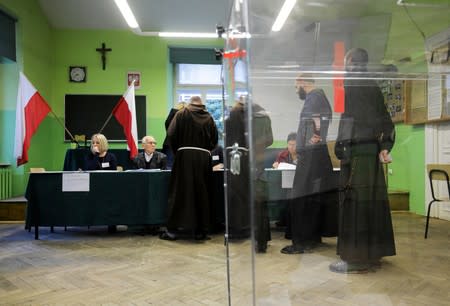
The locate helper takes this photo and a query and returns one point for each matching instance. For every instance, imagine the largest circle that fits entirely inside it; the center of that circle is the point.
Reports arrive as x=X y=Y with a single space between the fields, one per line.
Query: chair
x=439 y=173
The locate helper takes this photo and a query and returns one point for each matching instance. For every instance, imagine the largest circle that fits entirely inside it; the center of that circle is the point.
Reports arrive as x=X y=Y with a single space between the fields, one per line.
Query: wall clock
x=77 y=74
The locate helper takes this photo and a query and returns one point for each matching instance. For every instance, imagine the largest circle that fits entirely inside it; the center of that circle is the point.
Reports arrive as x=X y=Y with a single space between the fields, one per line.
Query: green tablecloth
x=113 y=198
x=130 y=197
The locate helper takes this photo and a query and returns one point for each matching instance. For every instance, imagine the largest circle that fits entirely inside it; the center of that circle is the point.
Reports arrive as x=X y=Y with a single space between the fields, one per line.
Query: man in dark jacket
x=366 y=135
x=192 y=135
x=150 y=158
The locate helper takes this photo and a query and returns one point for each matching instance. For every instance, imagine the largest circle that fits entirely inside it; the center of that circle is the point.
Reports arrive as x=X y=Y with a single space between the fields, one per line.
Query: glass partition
x=320 y=134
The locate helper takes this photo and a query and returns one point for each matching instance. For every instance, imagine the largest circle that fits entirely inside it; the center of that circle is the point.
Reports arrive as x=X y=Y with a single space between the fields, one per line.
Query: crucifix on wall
x=103 y=51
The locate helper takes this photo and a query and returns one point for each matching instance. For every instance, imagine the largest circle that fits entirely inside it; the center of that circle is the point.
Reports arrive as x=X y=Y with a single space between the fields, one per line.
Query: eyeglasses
x=151 y=142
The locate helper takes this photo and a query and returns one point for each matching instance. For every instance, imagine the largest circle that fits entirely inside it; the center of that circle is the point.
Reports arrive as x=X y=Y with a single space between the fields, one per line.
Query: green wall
x=45 y=54
x=407 y=171
x=34 y=44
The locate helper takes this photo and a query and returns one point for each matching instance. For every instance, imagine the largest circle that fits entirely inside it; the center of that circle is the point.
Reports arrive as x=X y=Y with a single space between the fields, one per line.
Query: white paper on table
x=78 y=181
x=286 y=166
x=287 y=178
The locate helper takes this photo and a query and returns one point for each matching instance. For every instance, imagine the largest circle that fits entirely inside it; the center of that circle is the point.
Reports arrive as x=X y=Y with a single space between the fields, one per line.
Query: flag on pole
x=31 y=110
x=125 y=113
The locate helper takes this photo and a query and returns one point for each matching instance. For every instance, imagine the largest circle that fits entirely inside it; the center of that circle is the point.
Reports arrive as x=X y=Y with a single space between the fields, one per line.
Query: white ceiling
x=152 y=15
x=188 y=15
x=343 y=19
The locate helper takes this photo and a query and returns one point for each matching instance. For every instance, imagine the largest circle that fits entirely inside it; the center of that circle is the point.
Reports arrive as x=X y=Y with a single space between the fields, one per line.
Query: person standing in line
x=365 y=137
x=314 y=169
x=192 y=135
x=239 y=184
x=166 y=147
x=150 y=158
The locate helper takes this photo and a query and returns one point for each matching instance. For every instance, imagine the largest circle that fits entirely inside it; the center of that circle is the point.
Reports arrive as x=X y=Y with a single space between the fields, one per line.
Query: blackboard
x=86 y=114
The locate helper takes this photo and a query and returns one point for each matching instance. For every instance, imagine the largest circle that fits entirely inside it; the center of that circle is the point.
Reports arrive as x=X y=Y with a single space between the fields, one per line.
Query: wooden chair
x=437 y=172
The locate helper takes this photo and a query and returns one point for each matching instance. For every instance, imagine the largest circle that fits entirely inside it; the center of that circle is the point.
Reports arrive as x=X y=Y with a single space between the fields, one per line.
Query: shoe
x=342 y=266
x=168 y=236
x=292 y=249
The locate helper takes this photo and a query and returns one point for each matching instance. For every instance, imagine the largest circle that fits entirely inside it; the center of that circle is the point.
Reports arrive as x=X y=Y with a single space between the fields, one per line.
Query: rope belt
x=194 y=148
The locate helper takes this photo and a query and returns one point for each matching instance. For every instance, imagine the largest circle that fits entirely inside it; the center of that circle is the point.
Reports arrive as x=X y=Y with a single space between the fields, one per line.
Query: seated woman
x=99 y=158
x=289 y=155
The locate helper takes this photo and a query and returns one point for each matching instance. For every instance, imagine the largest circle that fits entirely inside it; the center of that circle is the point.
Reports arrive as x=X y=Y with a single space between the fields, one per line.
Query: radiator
x=5 y=182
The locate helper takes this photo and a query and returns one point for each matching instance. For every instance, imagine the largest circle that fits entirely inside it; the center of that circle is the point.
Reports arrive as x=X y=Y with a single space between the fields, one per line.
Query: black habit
x=192 y=134
x=239 y=185
x=313 y=180
x=365 y=226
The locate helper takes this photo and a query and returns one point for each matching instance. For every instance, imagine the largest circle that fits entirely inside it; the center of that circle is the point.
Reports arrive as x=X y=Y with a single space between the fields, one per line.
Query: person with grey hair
x=192 y=136
x=150 y=158
x=365 y=137
x=99 y=158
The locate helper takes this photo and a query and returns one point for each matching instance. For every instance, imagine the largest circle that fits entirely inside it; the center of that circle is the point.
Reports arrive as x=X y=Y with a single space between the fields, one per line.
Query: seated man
x=150 y=158
x=217 y=158
x=289 y=155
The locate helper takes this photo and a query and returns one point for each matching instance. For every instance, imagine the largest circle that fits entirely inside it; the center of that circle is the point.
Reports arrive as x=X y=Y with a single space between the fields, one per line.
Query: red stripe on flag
x=123 y=115
x=34 y=112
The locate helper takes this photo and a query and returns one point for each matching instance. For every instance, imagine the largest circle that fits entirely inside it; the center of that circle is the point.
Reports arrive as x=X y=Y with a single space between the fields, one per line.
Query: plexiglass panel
x=318 y=138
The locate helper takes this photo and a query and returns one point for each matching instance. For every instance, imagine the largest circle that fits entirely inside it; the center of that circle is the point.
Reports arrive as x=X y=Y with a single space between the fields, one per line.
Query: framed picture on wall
x=136 y=76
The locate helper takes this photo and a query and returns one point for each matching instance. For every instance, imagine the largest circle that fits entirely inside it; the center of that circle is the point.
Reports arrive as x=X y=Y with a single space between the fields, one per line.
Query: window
x=204 y=80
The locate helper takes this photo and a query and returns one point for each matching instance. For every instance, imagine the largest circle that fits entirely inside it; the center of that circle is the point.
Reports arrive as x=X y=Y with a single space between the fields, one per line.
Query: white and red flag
x=31 y=110
x=125 y=113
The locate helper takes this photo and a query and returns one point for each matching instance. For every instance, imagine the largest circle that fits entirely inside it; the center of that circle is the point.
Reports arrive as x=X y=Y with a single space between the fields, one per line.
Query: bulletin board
x=394 y=98
x=425 y=102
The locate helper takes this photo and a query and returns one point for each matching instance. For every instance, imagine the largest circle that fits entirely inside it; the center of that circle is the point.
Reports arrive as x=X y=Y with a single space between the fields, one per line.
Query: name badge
x=215 y=157
x=105 y=165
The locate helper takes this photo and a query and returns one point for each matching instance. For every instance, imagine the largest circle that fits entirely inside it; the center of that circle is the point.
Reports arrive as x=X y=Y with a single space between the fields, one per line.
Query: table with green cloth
x=132 y=198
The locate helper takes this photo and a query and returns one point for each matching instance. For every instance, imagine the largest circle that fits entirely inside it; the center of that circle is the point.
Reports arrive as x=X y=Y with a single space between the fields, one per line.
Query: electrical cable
x=414 y=22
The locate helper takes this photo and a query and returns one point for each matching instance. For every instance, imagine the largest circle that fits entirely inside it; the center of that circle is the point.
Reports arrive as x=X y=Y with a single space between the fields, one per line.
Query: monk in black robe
x=314 y=171
x=239 y=184
x=366 y=136
x=192 y=135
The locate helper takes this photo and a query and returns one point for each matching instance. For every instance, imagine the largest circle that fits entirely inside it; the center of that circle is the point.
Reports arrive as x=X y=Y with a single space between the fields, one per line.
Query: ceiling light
x=283 y=14
x=127 y=13
x=187 y=35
